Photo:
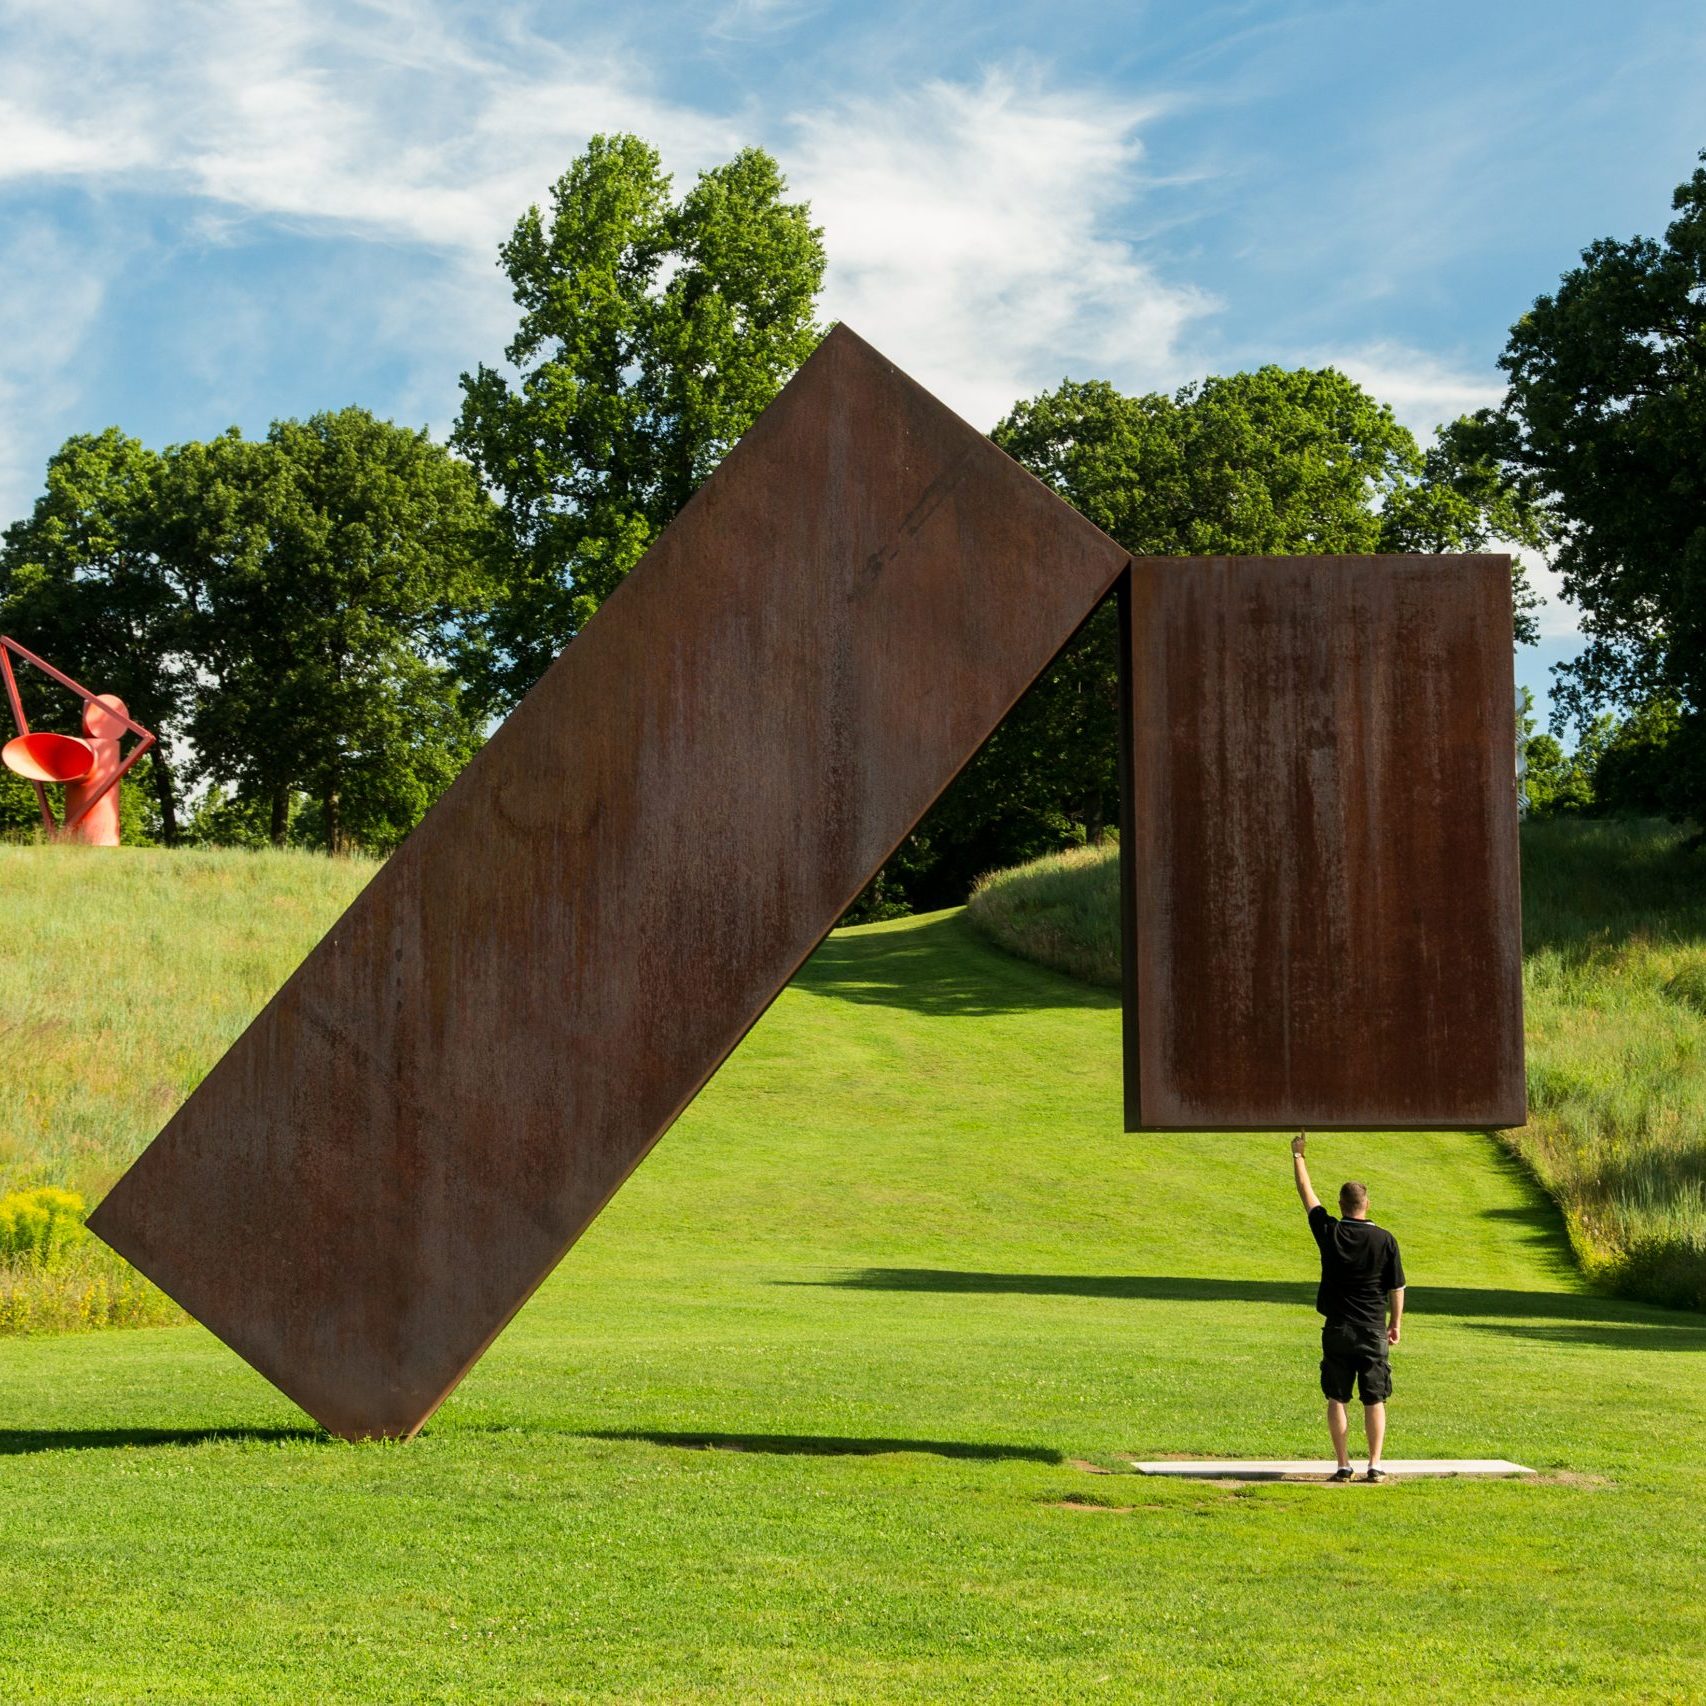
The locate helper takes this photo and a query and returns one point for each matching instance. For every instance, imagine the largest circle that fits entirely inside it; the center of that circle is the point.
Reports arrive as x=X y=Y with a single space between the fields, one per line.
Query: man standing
x=1362 y=1276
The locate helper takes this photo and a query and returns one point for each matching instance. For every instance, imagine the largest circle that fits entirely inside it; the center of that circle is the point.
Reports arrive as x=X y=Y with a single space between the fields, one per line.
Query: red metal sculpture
x=89 y=767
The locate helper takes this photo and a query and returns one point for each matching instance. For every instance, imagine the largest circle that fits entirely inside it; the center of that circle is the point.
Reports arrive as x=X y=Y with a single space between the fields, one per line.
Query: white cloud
x=35 y=145
x=1557 y=619
x=973 y=233
x=51 y=291
x=383 y=119
x=748 y=20
x=974 y=229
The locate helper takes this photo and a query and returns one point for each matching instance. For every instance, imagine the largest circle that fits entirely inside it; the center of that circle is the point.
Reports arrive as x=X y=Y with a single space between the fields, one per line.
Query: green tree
x=1606 y=416
x=333 y=572
x=83 y=584
x=19 y=816
x=1555 y=783
x=653 y=332
x=1634 y=770
x=1273 y=462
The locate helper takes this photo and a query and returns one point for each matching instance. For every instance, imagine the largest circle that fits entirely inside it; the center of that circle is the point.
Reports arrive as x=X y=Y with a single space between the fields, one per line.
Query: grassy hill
x=815 y=1410
x=1614 y=991
x=122 y=979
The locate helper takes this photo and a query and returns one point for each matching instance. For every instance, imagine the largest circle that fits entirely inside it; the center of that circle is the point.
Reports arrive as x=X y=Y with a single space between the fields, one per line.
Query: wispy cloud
x=394 y=122
x=975 y=234
x=51 y=290
x=1424 y=391
x=978 y=230
x=750 y=20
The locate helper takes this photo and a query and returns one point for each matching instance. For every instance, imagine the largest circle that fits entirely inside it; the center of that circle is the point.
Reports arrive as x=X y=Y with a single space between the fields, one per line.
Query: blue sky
x=227 y=211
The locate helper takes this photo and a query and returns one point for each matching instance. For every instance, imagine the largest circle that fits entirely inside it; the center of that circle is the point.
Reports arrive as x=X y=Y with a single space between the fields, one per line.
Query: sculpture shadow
x=939 y=968
x=1606 y=1335
x=1644 y=1324
x=1539 y=1227
x=829 y=1445
x=18 y=1442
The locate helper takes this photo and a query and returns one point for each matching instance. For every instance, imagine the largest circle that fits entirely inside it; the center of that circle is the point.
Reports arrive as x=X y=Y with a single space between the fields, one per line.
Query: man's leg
x=1374 y=1419
x=1339 y=1426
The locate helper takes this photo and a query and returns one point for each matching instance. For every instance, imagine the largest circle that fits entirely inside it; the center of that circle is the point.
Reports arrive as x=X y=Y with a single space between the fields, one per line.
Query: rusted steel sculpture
x=90 y=765
x=440 y=1100
x=1322 y=913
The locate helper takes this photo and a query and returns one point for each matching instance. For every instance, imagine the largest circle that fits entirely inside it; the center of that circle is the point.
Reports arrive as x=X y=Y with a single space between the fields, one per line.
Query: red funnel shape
x=49 y=758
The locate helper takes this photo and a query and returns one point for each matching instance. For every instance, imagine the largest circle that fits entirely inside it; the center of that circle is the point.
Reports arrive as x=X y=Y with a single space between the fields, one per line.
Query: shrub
x=90 y=1287
x=39 y=1228
x=55 y=1278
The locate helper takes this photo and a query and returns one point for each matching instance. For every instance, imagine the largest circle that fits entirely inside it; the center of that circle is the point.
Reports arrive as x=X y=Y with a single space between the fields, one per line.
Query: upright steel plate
x=1322 y=895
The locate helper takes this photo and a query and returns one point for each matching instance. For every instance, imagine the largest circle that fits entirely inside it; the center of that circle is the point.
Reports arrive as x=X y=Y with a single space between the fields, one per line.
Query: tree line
x=323 y=624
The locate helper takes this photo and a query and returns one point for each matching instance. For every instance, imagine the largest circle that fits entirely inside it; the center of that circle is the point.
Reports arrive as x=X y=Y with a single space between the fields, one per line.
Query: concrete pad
x=1303 y=1469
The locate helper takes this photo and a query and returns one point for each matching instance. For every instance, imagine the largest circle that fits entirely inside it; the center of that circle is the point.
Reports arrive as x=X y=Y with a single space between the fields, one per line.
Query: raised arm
x=1300 y=1173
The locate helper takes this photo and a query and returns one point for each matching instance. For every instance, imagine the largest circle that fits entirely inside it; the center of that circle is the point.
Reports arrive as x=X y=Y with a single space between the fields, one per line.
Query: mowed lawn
x=811 y=1414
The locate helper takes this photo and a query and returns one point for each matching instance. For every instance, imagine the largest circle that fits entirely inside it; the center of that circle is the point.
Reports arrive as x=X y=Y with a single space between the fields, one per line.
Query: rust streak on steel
x=439 y=1101
x=1323 y=920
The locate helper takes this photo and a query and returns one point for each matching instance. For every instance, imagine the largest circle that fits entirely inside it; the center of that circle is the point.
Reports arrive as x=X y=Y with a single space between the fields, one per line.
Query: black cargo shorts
x=1355 y=1357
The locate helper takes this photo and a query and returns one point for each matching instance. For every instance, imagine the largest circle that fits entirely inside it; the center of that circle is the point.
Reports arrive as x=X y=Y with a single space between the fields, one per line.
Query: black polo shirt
x=1359 y=1265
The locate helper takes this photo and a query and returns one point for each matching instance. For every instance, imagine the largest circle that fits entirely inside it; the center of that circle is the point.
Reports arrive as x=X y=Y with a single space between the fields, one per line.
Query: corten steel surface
x=438 y=1102
x=1320 y=868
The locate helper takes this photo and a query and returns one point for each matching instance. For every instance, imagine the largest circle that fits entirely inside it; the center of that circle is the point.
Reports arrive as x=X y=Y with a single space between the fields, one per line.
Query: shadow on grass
x=16 y=1442
x=1606 y=1335
x=1538 y=1225
x=823 y=1445
x=1590 y=887
x=1158 y=1288
x=939 y=968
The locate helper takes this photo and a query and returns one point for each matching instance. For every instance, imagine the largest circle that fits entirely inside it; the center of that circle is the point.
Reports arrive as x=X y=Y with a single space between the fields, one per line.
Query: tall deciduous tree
x=82 y=583
x=653 y=332
x=333 y=571
x=1607 y=415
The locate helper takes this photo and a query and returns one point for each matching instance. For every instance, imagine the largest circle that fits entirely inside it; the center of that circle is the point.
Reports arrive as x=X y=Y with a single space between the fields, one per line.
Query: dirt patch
x=1091 y=1507
x=1090 y=1468
x=1570 y=1478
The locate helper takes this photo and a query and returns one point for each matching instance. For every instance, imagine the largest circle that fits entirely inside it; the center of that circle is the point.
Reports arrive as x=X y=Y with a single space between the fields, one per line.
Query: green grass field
x=812 y=1412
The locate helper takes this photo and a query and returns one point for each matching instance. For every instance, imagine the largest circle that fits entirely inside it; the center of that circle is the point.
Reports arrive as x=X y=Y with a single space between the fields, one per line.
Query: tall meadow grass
x=1614 y=977
x=124 y=974
x=1062 y=911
